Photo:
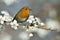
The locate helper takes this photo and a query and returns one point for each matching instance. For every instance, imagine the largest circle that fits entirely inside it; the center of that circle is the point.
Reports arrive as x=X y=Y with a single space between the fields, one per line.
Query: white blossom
x=23 y=26
x=5 y=13
x=29 y=21
x=34 y=22
x=31 y=17
x=6 y=16
x=30 y=35
x=38 y=20
x=31 y=29
x=14 y=24
x=7 y=19
x=42 y=24
x=1 y=19
x=35 y=25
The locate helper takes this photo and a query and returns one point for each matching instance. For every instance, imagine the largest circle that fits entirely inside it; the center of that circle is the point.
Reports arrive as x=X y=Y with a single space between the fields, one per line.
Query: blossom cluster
x=34 y=22
x=5 y=17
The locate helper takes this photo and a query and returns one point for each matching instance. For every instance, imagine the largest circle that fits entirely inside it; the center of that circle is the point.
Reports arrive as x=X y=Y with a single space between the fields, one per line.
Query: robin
x=22 y=15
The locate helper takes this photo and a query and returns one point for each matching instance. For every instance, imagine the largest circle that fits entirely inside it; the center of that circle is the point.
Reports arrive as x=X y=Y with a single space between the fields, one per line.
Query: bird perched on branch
x=22 y=15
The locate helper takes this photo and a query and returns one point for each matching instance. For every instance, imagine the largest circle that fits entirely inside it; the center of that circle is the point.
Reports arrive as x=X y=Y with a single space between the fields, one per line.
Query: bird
x=22 y=15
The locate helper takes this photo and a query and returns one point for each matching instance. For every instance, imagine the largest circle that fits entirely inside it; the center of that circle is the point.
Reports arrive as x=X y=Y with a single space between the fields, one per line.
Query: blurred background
x=47 y=10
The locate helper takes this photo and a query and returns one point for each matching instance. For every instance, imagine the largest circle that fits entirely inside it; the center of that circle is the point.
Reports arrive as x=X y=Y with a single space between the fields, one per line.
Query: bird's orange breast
x=24 y=14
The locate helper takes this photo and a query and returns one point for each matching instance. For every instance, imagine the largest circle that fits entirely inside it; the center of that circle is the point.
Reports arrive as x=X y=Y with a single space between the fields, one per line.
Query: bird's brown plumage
x=22 y=15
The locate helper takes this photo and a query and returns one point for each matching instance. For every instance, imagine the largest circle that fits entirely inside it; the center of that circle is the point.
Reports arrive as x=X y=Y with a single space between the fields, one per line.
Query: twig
x=24 y=24
x=45 y=28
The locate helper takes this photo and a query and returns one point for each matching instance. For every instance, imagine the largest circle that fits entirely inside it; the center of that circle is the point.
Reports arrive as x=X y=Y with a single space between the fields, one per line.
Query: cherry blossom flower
x=30 y=35
x=6 y=16
x=14 y=24
x=1 y=19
